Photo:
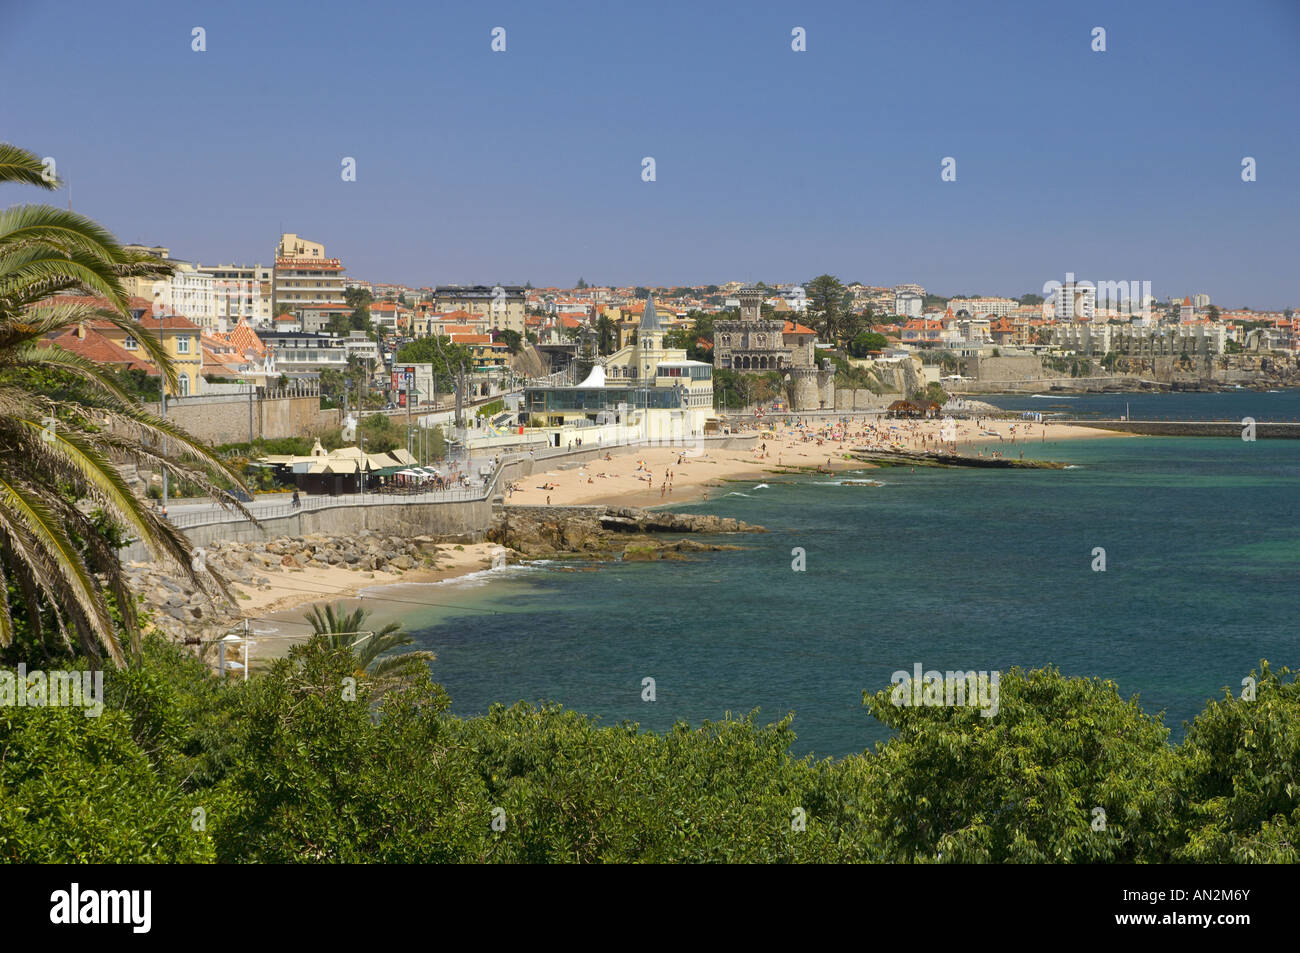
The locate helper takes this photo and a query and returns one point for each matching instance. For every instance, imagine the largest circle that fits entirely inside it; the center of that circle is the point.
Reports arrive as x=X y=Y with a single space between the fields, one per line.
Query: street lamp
x=362 y=441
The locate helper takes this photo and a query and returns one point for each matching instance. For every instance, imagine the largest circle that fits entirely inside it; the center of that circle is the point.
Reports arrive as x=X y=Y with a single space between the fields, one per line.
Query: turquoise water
x=955 y=569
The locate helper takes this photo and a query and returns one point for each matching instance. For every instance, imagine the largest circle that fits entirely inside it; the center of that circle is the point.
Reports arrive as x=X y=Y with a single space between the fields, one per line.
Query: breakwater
x=917 y=458
x=1265 y=430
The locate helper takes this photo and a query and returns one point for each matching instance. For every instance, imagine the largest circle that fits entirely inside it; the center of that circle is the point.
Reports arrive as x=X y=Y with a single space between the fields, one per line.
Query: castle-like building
x=754 y=343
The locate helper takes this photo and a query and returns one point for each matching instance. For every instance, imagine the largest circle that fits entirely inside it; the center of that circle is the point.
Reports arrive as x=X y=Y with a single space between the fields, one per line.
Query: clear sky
x=773 y=165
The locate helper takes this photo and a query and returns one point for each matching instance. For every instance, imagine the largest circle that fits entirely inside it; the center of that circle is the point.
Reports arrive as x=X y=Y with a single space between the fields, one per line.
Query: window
x=183 y=344
x=129 y=343
x=185 y=384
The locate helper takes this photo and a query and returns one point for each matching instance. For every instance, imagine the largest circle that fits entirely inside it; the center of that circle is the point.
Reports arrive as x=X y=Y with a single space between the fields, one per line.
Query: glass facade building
x=593 y=400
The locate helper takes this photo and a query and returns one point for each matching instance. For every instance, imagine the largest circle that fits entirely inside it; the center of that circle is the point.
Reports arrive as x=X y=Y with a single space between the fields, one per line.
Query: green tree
x=867 y=341
x=826 y=307
x=60 y=454
x=447 y=358
x=1022 y=786
x=359 y=300
x=1237 y=783
x=382 y=433
x=374 y=649
x=606 y=334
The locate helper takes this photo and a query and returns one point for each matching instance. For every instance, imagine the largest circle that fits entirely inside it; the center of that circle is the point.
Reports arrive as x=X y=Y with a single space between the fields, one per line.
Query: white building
x=998 y=307
x=242 y=291
x=1074 y=300
x=908 y=304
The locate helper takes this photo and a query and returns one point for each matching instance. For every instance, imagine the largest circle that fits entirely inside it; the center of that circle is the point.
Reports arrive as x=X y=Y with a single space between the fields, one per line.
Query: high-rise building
x=1074 y=300
x=908 y=304
x=304 y=277
x=1201 y=301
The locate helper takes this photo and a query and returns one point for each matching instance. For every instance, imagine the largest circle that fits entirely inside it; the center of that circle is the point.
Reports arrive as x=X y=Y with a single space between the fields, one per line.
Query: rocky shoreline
x=608 y=532
x=590 y=532
x=181 y=611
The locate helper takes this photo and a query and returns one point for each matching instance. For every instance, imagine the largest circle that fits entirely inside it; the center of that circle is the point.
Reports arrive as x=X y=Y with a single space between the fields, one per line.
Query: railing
x=476 y=491
x=311 y=504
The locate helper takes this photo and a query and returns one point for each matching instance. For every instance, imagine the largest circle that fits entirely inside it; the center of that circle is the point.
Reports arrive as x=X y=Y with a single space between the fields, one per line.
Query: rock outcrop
x=534 y=533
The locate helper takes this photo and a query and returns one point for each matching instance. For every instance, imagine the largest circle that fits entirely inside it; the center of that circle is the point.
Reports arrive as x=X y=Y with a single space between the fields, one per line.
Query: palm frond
x=19 y=165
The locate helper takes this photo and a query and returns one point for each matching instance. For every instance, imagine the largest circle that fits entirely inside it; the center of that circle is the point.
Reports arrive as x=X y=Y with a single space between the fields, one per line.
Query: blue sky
x=771 y=165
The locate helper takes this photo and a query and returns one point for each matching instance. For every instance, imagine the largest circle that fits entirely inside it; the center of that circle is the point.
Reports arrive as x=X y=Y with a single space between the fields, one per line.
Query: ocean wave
x=738 y=493
x=1050 y=397
x=762 y=486
x=1073 y=466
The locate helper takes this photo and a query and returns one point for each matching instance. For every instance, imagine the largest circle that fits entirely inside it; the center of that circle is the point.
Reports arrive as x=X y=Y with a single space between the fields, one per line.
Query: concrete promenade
x=463 y=512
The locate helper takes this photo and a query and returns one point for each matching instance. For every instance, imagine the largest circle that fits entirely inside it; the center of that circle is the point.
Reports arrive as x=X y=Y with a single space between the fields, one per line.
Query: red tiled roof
x=95 y=347
x=245 y=338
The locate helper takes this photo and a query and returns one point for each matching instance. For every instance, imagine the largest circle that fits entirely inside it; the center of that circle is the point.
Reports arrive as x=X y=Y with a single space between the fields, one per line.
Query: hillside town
x=300 y=325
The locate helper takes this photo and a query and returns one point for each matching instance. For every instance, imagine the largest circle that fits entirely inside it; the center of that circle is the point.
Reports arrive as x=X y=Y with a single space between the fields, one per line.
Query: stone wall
x=1013 y=368
x=224 y=419
x=468 y=519
x=862 y=400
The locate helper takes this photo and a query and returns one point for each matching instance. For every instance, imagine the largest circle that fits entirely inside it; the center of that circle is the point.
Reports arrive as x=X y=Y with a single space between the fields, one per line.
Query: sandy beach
x=660 y=476
x=290 y=588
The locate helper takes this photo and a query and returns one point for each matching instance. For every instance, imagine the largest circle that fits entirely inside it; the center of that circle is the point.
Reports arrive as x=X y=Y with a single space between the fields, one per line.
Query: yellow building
x=179 y=335
x=180 y=339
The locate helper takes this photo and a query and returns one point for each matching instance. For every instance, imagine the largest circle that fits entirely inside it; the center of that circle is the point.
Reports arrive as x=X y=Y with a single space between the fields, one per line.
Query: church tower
x=649 y=333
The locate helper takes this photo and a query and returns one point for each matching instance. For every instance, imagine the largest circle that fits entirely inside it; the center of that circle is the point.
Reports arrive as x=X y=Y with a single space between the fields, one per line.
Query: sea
x=952 y=569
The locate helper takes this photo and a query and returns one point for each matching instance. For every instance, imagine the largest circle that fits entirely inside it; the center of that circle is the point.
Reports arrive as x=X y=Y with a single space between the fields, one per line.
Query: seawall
x=468 y=519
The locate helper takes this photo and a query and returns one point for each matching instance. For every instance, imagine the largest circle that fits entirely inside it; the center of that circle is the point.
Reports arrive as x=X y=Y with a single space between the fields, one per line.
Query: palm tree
x=59 y=487
x=346 y=630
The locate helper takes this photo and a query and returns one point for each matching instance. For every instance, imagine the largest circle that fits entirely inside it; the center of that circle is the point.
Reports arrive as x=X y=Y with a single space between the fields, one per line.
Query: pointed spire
x=649 y=320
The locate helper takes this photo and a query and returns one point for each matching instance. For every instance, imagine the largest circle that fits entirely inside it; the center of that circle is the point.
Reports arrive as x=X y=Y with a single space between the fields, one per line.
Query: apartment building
x=502 y=307
x=908 y=304
x=997 y=307
x=304 y=276
x=189 y=291
x=1074 y=301
x=1136 y=340
x=242 y=292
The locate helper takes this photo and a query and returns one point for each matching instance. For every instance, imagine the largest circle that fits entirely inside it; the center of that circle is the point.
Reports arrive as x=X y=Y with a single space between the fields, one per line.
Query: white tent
x=596 y=378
